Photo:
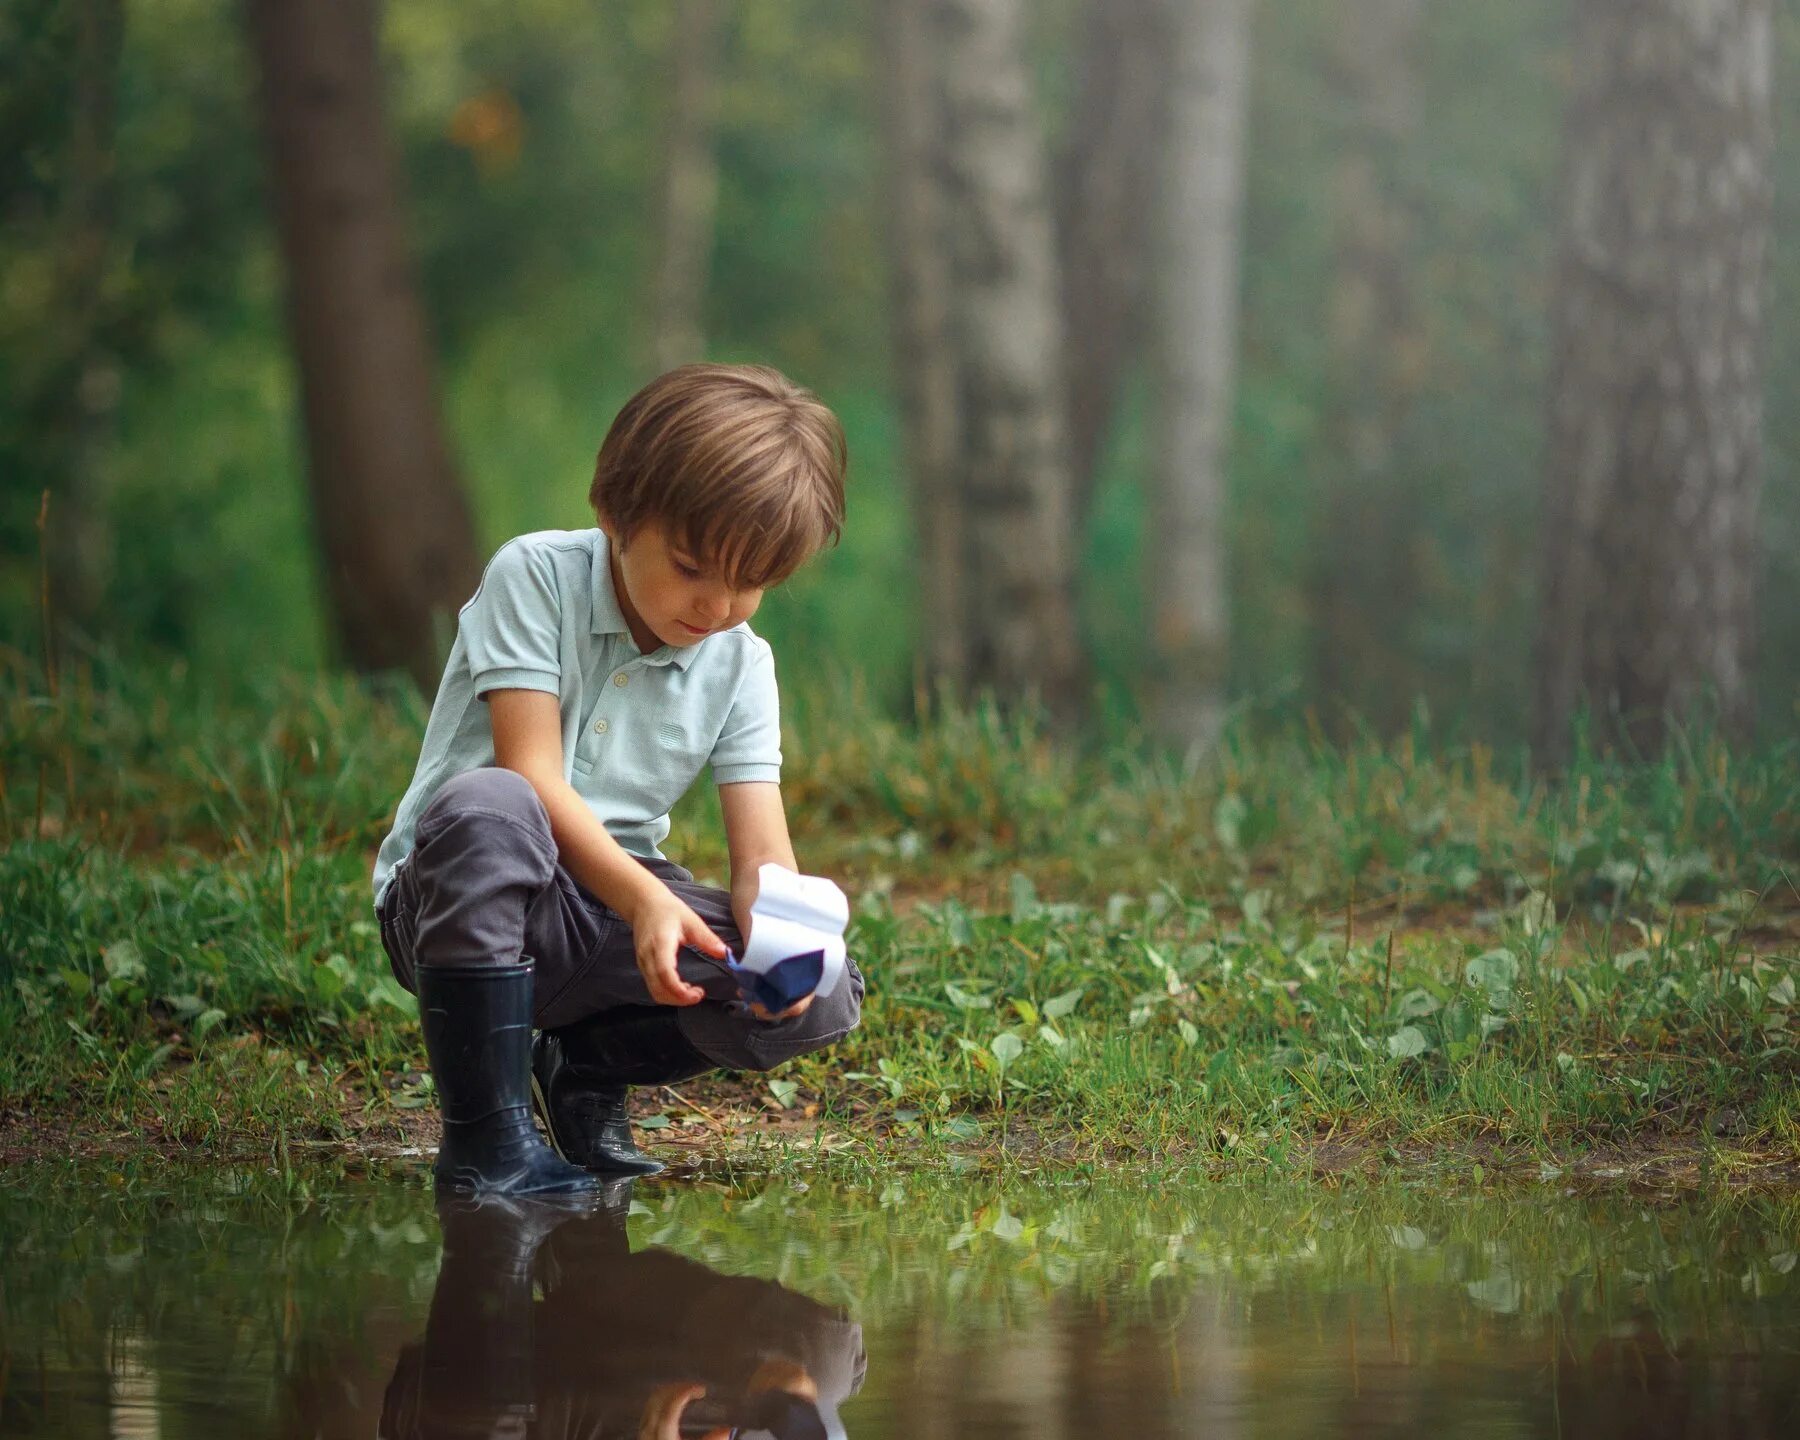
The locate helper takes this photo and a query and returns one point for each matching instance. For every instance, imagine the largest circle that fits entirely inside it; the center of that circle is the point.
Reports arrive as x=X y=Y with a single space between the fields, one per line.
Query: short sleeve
x=749 y=747
x=512 y=627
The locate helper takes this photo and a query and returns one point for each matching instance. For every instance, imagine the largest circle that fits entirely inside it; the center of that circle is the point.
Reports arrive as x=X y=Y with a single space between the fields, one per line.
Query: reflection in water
x=199 y=1305
x=545 y=1322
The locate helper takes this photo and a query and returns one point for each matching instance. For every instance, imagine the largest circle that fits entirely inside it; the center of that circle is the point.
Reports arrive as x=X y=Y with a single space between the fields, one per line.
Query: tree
x=1194 y=363
x=1655 y=449
x=924 y=357
x=392 y=523
x=690 y=186
x=1012 y=463
x=1363 y=564
x=1105 y=193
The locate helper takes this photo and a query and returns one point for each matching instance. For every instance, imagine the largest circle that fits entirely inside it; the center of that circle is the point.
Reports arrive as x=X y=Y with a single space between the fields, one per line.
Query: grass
x=1405 y=948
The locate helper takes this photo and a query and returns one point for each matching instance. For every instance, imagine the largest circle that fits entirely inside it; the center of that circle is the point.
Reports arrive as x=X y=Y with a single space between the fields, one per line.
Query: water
x=161 y=1303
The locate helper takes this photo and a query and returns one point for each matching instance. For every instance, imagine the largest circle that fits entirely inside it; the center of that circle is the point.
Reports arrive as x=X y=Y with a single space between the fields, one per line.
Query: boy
x=595 y=672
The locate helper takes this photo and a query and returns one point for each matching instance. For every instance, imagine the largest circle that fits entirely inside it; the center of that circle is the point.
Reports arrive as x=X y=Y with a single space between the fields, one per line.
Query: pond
x=151 y=1301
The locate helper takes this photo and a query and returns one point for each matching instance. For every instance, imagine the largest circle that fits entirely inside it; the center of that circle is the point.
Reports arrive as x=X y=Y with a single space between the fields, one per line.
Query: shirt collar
x=609 y=619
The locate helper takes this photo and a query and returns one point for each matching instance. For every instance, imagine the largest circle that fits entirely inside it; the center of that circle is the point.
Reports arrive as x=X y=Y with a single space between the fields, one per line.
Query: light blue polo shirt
x=636 y=729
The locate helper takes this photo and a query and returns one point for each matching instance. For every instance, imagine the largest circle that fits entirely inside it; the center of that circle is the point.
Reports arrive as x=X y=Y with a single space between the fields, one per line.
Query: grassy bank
x=1298 y=950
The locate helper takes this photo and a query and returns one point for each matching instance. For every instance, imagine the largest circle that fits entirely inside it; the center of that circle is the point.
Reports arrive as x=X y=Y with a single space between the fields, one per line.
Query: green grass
x=1404 y=945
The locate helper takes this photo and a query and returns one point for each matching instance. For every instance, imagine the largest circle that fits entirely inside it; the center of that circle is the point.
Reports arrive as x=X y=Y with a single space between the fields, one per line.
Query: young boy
x=594 y=674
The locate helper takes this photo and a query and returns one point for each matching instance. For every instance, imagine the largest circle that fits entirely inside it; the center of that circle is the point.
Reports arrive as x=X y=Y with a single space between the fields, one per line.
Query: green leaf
x=1007 y=1047
x=80 y=986
x=208 y=1020
x=960 y=1127
x=1007 y=1227
x=1407 y=1041
x=1058 y=1006
x=1228 y=819
x=1190 y=1034
x=1496 y=972
x=658 y=1121
x=1025 y=902
x=966 y=999
x=123 y=961
x=784 y=1092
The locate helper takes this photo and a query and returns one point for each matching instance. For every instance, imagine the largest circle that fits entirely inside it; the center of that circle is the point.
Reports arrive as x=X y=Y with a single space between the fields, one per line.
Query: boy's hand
x=661 y=926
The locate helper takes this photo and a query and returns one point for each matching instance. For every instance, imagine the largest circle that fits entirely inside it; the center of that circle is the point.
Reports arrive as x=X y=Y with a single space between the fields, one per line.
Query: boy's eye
x=687 y=570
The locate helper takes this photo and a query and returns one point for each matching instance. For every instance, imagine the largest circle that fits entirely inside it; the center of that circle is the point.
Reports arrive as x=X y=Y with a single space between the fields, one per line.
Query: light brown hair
x=737 y=464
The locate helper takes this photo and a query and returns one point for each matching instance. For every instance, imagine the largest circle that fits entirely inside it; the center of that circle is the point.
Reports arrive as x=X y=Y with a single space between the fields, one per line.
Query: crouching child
x=595 y=673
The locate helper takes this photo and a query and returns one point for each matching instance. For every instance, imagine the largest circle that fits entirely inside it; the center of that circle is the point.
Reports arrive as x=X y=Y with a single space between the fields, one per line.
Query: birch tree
x=1363 y=592
x=1012 y=461
x=1655 y=426
x=393 y=526
x=690 y=191
x=925 y=375
x=1105 y=192
x=1194 y=363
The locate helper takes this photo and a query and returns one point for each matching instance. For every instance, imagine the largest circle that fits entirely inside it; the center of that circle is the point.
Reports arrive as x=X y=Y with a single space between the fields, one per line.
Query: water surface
x=161 y=1302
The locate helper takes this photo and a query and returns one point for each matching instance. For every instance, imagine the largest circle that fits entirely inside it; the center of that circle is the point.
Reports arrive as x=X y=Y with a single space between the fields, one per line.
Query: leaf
x=654 y=1122
x=1058 y=1006
x=1537 y=913
x=1228 y=819
x=80 y=985
x=1416 y=1004
x=1190 y=1034
x=1007 y=1227
x=1781 y=993
x=960 y=1127
x=1407 y=1042
x=1007 y=1047
x=1500 y=1293
x=123 y=961
x=1496 y=972
x=1050 y=1036
x=966 y=999
x=207 y=1021
x=1025 y=902
x=1026 y=1011
x=784 y=1092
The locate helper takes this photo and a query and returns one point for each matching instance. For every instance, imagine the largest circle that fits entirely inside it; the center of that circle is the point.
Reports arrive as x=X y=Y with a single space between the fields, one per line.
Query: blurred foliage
x=530 y=135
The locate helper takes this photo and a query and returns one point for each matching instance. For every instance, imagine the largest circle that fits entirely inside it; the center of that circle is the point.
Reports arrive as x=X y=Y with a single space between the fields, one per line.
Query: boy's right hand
x=661 y=926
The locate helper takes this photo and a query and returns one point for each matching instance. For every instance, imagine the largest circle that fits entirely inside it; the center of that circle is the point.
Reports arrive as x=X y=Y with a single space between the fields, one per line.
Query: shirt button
x=621 y=679
x=599 y=727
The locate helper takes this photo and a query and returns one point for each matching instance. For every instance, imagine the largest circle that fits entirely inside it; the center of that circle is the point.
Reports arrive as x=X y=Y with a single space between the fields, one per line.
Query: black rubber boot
x=477 y=1023
x=580 y=1076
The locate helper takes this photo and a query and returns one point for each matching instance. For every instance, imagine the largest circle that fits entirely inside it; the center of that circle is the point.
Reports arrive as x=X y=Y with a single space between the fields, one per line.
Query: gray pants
x=483 y=886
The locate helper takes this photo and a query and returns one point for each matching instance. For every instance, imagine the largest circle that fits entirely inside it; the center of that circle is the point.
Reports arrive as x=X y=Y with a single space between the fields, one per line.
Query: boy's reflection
x=614 y=1343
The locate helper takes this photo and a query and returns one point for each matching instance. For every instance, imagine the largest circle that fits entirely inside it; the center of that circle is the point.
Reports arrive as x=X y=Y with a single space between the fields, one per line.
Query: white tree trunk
x=690 y=187
x=1194 y=364
x=1007 y=324
x=924 y=355
x=1655 y=452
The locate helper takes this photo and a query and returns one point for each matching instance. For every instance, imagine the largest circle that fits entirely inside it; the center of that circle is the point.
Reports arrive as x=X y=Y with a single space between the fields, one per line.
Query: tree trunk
x=690 y=187
x=1655 y=444
x=1013 y=458
x=1105 y=194
x=1194 y=364
x=924 y=357
x=393 y=525
x=1363 y=582
x=79 y=379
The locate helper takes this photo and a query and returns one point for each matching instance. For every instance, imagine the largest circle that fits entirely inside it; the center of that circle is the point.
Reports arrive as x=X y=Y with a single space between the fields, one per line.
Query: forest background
x=533 y=140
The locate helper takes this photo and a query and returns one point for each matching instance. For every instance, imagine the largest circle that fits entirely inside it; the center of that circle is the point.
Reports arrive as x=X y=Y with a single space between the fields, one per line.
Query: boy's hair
x=736 y=463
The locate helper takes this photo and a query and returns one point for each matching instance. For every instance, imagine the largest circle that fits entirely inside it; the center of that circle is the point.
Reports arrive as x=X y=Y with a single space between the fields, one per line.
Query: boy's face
x=671 y=597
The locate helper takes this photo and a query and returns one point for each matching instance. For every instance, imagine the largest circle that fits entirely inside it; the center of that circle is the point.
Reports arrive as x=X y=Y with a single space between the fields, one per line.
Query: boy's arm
x=528 y=739
x=756 y=834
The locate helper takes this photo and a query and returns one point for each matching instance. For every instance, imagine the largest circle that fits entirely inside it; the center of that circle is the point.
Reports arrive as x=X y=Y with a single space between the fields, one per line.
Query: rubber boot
x=580 y=1076
x=477 y=1023
x=472 y=1376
